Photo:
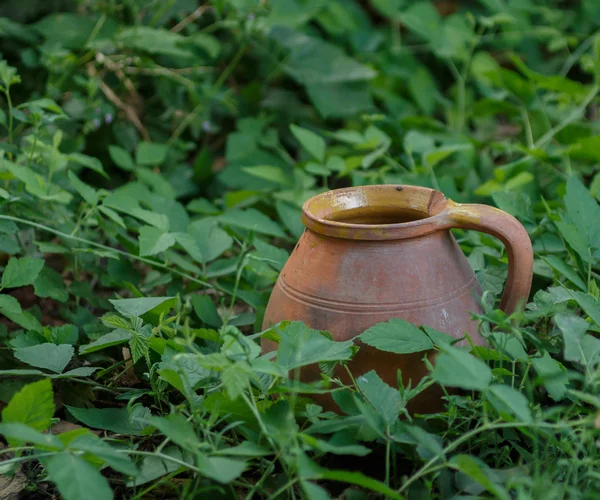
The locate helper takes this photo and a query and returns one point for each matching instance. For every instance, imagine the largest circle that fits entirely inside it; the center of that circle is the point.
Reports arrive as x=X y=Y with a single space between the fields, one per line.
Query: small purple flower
x=108 y=118
x=96 y=123
x=251 y=16
x=206 y=126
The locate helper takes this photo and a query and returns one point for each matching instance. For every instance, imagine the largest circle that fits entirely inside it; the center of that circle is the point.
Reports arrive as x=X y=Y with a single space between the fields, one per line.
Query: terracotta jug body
x=373 y=253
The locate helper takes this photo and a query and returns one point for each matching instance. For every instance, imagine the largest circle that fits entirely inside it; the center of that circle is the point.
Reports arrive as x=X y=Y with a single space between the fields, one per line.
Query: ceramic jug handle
x=512 y=234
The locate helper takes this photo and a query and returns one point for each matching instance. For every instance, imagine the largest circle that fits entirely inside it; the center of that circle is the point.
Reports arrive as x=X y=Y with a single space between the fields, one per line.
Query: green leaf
x=397 y=336
x=551 y=371
x=205 y=309
x=310 y=141
x=88 y=162
x=21 y=272
x=583 y=212
x=33 y=405
x=588 y=303
x=386 y=400
x=87 y=192
x=579 y=346
x=151 y=153
x=138 y=307
x=220 y=469
x=82 y=371
x=116 y=337
x=154 y=467
x=189 y=244
x=92 y=444
x=235 y=379
x=252 y=220
x=313 y=61
x=140 y=342
x=210 y=239
x=65 y=334
x=456 y=368
x=300 y=346
x=50 y=284
x=76 y=478
x=154 y=241
x=8 y=227
x=111 y=214
x=341 y=99
x=24 y=319
x=269 y=173
x=358 y=479
x=121 y=158
x=117 y=420
x=177 y=428
x=476 y=471
x=49 y=356
x=568 y=272
x=509 y=401
x=10 y=304
x=17 y=432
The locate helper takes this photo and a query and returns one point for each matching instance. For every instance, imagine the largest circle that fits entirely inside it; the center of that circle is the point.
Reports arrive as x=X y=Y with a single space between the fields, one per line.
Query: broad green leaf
x=112 y=215
x=310 y=141
x=551 y=371
x=187 y=367
x=87 y=192
x=358 y=479
x=24 y=319
x=117 y=420
x=301 y=346
x=579 y=346
x=8 y=227
x=336 y=449
x=33 y=405
x=397 y=336
x=116 y=337
x=65 y=334
x=76 y=478
x=477 y=471
x=88 y=162
x=153 y=467
x=154 y=241
x=178 y=429
x=246 y=449
x=10 y=304
x=269 y=173
x=417 y=142
x=220 y=469
x=313 y=61
x=205 y=309
x=290 y=215
x=567 y=271
x=50 y=284
x=82 y=371
x=189 y=244
x=138 y=307
x=386 y=400
x=341 y=99
x=21 y=272
x=48 y=356
x=90 y=443
x=210 y=239
x=583 y=212
x=252 y=220
x=588 y=303
x=235 y=380
x=121 y=157
x=509 y=401
x=21 y=433
x=154 y=40
x=151 y=153
x=456 y=368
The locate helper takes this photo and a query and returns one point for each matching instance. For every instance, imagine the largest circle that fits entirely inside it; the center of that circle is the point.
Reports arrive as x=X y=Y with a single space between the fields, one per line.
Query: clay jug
x=373 y=253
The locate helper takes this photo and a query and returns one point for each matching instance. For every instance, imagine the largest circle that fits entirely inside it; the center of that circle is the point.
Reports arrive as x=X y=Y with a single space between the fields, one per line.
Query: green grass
x=154 y=157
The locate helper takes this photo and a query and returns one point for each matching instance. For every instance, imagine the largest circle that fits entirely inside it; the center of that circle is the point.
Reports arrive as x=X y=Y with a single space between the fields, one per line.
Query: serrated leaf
x=76 y=478
x=579 y=346
x=456 y=368
x=154 y=241
x=33 y=405
x=116 y=337
x=310 y=141
x=140 y=342
x=397 y=336
x=140 y=306
x=48 y=356
x=386 y=400
x=82 y=371
x=50 y=284
x=21 y=272
x=301 y=346
x=65 y=334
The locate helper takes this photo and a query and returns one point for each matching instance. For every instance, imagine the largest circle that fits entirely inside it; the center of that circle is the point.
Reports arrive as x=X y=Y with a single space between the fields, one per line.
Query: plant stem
x=115 y=250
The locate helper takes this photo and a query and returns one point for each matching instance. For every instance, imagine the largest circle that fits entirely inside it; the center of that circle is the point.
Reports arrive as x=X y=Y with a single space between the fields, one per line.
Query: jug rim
x=425 y=206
